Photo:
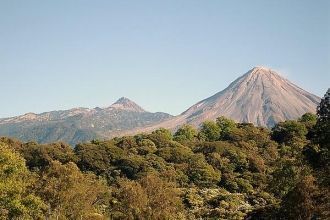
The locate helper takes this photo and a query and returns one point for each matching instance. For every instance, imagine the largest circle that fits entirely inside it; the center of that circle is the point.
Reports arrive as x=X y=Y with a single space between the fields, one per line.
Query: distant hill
x=79 y=124
x=261 y=96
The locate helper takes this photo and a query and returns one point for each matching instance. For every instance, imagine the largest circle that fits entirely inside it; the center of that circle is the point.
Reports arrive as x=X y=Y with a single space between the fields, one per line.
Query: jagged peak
x=124 y=103
x=123 y=100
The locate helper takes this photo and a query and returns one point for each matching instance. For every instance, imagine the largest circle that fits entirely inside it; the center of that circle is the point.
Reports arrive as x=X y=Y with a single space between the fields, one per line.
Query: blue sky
x=164 y=55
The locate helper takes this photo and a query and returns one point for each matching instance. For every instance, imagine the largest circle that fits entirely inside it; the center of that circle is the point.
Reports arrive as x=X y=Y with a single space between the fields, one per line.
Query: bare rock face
x=261 y=96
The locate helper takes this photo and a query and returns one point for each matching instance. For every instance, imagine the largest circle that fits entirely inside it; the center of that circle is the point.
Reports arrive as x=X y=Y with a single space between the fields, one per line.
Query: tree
x=163 y=198
x=149 y=198
x=210 y=131
x=299 y=203
x=146 y=146
x=161 y=137
x=321 y=155
x=178 y=154
x=289 y=133
x=226 y=126
x=39 y=156
x=130 y=201
x=16 y=196
x=201 y=173
x=97 y=157
x=70 y=193
x=164 y=133
x=323 y=129
x=309 y=119
x=131 y=166
x=185 y=133
x=284 y=178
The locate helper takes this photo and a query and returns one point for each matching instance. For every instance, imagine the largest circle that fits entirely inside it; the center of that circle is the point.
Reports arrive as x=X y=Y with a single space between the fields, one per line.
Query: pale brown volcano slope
x=261 y=96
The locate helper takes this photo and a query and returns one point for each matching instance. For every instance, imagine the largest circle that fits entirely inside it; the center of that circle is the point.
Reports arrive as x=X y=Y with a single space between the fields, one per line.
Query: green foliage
x=318 y=155
x=284 y=178
x=148 y=198
x=130 y=200
x=289 y=132
x=70 y=193
x=323 y=131
x=299 y=202
x=227 y=170
x=247 y=132
x=39 y=156
x=308 y=119
x=210 y=131
x=131 y=166
x=201 y=173
x=216 y=203
x=185 y=133
x=97 y=157
x=163 y=133
x=226 y=127
x=180 y=154
x=146 y=146
x=16 y=197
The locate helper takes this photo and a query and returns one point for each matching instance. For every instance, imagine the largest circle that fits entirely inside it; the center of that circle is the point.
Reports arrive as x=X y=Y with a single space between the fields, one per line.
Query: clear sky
x=164 y=55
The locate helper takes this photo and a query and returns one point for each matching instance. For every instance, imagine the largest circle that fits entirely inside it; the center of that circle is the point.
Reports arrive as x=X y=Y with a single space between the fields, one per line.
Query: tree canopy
x=223 y=170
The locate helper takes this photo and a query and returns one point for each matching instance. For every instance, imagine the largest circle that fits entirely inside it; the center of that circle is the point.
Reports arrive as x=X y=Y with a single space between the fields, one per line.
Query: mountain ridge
x=260 y=96
x=79 y=124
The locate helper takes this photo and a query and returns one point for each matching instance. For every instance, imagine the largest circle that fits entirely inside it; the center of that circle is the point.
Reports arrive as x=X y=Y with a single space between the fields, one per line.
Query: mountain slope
x=79 y=124
x=261 y=96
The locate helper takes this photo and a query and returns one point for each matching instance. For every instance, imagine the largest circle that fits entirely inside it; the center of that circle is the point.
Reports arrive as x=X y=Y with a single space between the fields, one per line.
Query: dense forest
x=224 y=170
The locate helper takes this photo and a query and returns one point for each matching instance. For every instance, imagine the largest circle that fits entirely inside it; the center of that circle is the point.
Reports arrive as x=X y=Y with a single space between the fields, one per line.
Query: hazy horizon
x=165 y=56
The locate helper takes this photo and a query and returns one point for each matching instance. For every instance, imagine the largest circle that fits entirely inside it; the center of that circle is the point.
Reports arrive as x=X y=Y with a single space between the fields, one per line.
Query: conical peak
x=126 y=104
x=261 y=70
x=263 y=73
x=260 y=96
x=123 y=100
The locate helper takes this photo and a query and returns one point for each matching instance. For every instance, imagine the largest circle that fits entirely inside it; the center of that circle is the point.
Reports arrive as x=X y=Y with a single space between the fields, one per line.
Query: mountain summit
x=261 y=96
x=125 y=104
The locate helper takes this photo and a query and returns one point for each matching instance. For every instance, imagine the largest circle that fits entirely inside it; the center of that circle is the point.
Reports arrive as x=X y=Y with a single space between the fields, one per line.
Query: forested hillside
x=225 y=170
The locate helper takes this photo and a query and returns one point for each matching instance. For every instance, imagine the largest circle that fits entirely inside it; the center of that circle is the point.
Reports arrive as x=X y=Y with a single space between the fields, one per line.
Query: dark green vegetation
x=223 y=171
